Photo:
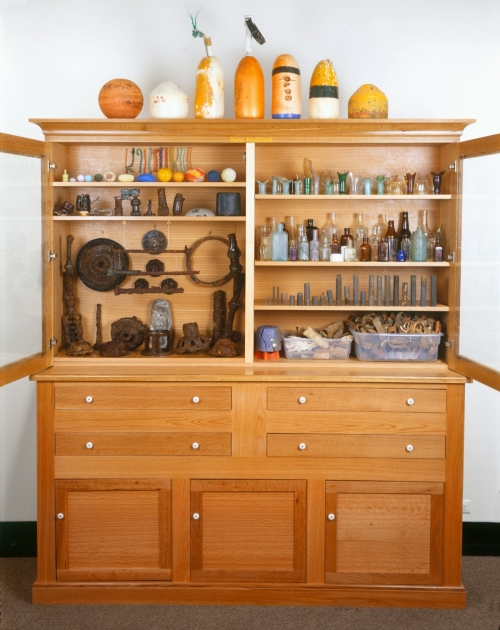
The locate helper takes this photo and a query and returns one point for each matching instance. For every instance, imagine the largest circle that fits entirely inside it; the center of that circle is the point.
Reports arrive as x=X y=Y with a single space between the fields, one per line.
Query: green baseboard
x=18 y=539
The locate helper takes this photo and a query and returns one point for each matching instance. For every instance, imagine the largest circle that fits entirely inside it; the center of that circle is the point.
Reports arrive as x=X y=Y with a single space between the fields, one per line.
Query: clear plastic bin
x=326 y=349
x=396 y=347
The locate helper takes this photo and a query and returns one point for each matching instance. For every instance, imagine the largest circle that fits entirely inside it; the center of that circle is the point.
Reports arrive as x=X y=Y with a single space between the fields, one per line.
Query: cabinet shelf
x=135 y=184
x=308 y=263
x=260 y=306
x=155 y=218
x=280 y=197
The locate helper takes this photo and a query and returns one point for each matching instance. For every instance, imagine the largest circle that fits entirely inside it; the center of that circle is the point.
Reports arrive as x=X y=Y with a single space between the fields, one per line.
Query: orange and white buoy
x=324 y=91
x=286 y=96
x=209 y=92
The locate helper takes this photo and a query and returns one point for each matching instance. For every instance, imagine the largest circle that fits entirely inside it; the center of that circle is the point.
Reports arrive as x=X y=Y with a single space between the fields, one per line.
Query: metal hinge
x=448 y=343
x=52 y=342
x=451 y=257
x=52 y=255
x=452 y=166
x=52 y=166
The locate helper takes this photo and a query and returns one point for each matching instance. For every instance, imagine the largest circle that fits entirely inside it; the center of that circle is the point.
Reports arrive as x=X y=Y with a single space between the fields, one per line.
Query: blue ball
x=213 y=176
x=88 y=178
x=145 y=177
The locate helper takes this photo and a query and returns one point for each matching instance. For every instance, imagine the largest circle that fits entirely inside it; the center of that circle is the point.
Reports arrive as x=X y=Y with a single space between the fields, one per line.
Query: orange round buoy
x=120 y=98
x=249 y=100
x=368 y=102
x=194 y=175
x=286 y=97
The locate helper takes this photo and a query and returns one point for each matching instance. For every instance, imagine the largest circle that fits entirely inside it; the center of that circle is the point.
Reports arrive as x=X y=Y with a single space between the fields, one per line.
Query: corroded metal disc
x=154 y=241
x=95 y=259
x=130 y=331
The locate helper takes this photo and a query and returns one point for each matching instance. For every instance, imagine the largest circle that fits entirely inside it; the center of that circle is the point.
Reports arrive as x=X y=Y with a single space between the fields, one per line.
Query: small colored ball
x=88 y=178
x=80 y=178
x=228 y=175
x=164 y=175
x=98 y=177
x=195 y=175
x=72 y=179
x=178 y=176
x=213 y=176
x=120 y=98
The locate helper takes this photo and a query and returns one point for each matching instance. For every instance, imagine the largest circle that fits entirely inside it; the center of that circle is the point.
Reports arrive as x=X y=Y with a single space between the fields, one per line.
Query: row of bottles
x=280 y=242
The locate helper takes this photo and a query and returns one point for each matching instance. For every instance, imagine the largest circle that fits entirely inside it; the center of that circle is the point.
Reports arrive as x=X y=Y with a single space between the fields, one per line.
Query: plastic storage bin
x=395 y=347
x=303 y=348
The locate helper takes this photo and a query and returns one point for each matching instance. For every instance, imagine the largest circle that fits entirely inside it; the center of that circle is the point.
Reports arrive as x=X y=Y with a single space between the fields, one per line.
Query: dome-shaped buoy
x=324 y=91
x=167 y=100
x=368 y=102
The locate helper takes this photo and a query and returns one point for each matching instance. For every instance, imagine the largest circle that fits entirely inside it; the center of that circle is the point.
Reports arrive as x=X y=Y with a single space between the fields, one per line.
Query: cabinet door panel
x=113 y=530
x=384 y=533
x=248 y=531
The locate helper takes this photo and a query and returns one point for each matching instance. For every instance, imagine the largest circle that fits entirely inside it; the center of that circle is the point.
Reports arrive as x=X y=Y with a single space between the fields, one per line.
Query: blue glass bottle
x=418 y=246
x=280 y=244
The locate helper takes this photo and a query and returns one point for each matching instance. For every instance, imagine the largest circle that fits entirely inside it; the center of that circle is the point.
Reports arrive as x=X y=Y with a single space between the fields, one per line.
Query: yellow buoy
x=324 y=91
x=286 y=97
x=368 y=102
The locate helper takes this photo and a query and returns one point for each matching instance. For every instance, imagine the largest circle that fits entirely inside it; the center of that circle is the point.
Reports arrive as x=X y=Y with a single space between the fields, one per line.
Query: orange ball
x=164 y=175
x=120 y=98
x=178 y=176
x=195 y=175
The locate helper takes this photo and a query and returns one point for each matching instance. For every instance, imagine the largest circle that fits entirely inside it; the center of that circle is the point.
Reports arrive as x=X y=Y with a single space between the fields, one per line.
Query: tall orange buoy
x=286 y=97
x=249 y=93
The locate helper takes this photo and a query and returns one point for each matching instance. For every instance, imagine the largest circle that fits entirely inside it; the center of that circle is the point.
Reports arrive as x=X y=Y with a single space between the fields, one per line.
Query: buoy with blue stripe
x=286 y=99
x=324 y=91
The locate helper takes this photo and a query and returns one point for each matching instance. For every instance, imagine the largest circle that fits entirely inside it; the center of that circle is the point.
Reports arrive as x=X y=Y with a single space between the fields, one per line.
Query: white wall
x=432 y=59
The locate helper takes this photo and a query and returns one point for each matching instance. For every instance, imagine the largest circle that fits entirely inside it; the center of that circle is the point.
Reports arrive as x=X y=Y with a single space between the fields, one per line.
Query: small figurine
x=150 y=212
x=135 y=202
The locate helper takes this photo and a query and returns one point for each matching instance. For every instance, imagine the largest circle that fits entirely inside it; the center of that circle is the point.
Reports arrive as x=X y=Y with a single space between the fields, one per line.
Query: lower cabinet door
x=384 y=532
x=248 y=530
x=109 y=529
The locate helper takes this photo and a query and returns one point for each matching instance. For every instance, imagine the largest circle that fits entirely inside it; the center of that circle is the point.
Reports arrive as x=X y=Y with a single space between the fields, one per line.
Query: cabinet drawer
x=303 y=398
x=327 y=445
x=135 y=396
x=150 y=443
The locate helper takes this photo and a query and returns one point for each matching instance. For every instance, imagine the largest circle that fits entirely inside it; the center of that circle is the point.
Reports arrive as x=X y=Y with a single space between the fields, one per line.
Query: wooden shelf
x=156 y=218
x=260 y=306
x=308 y=263
x=135 y=184
x=271 y=197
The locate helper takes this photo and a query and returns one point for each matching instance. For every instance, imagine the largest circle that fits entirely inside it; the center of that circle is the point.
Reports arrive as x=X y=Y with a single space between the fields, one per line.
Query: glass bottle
x=325 y=248
x=383 y=250
x=438 y=250
x=418 y=245
x=265 y=252
x=271 y=234
x=406 y=247
x=309 y=229
x=405 y=230
x=303 y=244
x=392 y=240
x=314 y=246
x=366 y=250
x=280 y=243
x=335 y=246
x=360 y=232
x=346 y=239
x=332 y=227
x=374 y=241
x=292 y=238
x=381 y=225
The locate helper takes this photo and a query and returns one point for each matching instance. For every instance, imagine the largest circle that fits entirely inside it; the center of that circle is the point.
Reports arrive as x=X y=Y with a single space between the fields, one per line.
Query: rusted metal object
x=189 y=261
x=150 y=212
x=224 y=348
x=158 y=343
x=96 y=258
x=130 y=331
x=98 y=330
x=113 y=348
x=147 y=289
x=141 y=283
x=234 y=303
x=135 y=202
x=66 y=208
x=155 y=266
x=163 y=209
x=192 y=341
x=178 y=204
x=154 y=241
x=169 y=283
x=72 y=329
x=118 y=206
x=219 y=316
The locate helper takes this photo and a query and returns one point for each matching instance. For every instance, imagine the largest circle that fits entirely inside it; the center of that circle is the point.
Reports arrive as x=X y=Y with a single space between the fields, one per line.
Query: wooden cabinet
x=314 y=482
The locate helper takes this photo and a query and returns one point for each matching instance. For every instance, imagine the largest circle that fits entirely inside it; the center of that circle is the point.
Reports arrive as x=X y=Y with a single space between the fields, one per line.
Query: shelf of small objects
x=155 y=218
x=357 y=263
x=155 y=184
x=260 y=306
x=339 y=197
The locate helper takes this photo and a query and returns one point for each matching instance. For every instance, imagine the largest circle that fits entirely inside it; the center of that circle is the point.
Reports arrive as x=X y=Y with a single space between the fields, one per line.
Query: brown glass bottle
x=392 y=240
x=309 y=229
x=346 y=240
x=365 y=251
x=405 y=230
x=335 y=246
x=438 y=250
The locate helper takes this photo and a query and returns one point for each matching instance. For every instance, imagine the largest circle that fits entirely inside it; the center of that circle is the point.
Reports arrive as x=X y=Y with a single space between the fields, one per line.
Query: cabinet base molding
x=127 y=593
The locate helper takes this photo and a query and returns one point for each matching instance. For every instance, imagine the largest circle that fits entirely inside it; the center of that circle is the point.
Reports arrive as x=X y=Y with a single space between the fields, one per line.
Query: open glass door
x=476 y=351
x=25 y=284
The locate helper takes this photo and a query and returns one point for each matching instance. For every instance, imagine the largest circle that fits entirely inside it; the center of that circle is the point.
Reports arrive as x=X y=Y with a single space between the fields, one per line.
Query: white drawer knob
x=196 y=516
x=410 y=401
x=195 y=445
x=302 y=400
x=89 y=445
x=302 y=446
x=409 y=448
x=60 y=516
x=331 y=517
x=89 y=399
x=196 y=399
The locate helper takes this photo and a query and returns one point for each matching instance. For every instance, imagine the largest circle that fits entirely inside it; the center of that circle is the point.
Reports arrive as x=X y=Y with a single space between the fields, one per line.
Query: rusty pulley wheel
x=98 y=257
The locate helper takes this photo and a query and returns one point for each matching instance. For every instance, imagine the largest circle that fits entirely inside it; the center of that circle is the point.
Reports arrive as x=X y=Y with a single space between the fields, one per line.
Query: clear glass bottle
x=431 y=241
x=303 y=244
x=292 y=238
x=271 y=234
x=366 y=250
x=381 y=225
x=391 y=237
x=332 y=227
x=406 y=247
x=374 y=241
x=383 y=250
x=418 y=245
x=280 y=243
x=265 y=251
x=325 y=248
x=360 y=232
x=314 y=246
